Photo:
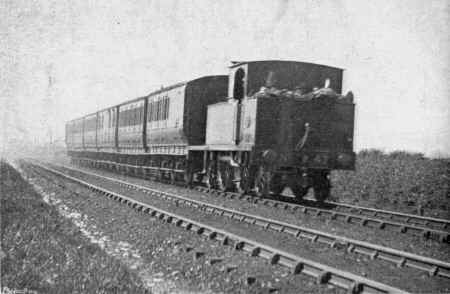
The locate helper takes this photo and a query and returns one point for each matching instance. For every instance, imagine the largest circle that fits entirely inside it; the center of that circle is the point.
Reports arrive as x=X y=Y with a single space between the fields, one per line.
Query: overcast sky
x=62 y=59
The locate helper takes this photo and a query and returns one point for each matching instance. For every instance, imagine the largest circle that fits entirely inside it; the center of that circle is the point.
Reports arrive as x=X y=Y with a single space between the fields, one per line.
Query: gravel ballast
x=179 y=259
x=388 y=238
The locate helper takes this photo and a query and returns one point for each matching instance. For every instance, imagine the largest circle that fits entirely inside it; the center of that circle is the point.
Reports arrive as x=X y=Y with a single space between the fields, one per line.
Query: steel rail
x=373 y=222
x=400 y=258
x=357 y=218
x=322 y=273
x=443 y=224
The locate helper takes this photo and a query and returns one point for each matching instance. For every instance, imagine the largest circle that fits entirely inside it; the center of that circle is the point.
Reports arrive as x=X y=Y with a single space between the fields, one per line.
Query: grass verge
x=45 y=252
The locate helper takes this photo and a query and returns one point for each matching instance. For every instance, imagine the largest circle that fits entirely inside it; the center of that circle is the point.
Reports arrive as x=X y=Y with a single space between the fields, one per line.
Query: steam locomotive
x=265 y=126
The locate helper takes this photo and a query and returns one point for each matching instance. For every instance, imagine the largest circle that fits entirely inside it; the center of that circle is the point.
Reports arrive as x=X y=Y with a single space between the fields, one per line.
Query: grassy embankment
x=45 y=252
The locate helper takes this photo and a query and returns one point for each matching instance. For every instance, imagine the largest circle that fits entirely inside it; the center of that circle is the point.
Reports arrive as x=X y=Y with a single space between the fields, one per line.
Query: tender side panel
x=248 y=123
x=131 y=119
x=345 y=126
x=267 y=132
x=221 y=123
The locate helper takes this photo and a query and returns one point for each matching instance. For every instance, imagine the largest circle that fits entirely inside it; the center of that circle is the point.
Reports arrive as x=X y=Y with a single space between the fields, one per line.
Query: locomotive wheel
x=245 y=183
x=188 y=176
x=299 y=191
x=262 y=187
x=225 y=178
x=321 y=192
x=262 y=183
x=321 y=186
x=276 y=185
x=172 y=177
x=219 y=182
x=209 y=177
x=207 y=180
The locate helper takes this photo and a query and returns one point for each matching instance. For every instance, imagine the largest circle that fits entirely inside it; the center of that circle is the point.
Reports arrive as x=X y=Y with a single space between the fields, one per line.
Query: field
x=401 y=181
x=43 y=251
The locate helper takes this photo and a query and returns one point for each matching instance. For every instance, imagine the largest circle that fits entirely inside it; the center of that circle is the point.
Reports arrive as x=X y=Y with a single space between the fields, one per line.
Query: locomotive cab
x=239 y=85
x=266 y=137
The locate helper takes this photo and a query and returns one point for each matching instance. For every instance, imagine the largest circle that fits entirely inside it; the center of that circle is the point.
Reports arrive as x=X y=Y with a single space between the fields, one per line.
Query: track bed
x=342 y=260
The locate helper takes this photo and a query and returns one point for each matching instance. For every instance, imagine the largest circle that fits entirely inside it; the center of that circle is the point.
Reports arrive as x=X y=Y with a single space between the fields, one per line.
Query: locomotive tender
x=238 y=132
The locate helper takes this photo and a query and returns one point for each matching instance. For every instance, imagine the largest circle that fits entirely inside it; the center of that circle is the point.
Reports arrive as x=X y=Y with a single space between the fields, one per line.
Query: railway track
x=323 y=274
x=437 y=223
x=400 y=258
x=379 y=219
x=429 y=228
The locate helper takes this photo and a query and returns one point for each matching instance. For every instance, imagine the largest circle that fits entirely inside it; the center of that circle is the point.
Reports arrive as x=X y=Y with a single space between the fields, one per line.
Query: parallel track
x=430 y=228
x=361 y=218
x=322 y=273
x=399 y=258
x=440 y=224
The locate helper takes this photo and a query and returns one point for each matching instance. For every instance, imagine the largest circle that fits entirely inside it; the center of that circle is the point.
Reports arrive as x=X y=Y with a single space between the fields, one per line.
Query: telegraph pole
x=49 y=106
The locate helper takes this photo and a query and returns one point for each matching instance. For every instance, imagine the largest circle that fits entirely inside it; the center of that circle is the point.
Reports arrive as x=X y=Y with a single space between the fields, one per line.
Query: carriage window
x=166 y=112
x=158 y=109
x=111 y=121
x=150 y=109
x=168 y=107
x=138 y=110
x=238 y=91
x=130 y=116
x=137 y=116
x=153 y=111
